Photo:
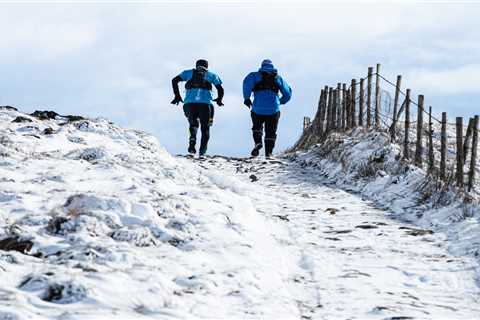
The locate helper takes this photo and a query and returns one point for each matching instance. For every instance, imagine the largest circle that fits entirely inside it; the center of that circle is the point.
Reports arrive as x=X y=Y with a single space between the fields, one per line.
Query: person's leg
x=271 y=125
x=204 y=113
x=257 y=131
x=192 y=112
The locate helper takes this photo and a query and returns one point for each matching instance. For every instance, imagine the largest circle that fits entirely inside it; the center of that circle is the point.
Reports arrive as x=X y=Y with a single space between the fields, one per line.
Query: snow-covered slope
x=366 y=162
x=119 y=227
x=101 y=222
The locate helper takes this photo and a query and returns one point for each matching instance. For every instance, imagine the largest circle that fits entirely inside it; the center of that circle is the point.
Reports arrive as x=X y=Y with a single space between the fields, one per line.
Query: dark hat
x=202 y=63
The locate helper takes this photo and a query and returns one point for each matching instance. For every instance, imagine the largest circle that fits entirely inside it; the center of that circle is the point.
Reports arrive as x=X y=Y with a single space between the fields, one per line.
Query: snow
x=121 y=229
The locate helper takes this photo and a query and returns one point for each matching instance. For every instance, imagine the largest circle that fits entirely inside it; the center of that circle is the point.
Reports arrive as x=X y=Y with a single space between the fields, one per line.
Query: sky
x=116 y=59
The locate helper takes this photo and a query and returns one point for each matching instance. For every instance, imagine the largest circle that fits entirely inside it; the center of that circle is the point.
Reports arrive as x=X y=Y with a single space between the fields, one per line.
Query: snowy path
x=343 y=259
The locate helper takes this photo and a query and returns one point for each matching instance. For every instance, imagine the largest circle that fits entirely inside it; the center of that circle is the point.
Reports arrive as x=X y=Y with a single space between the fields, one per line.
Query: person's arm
x=285 y=90
x=176 y=91
x=248 y=84
x=220 y=93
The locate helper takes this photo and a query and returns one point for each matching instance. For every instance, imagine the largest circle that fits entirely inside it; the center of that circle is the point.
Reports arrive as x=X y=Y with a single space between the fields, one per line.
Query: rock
x=44 y=115
x=92 y=154
x=55 y=225
x=332 y=210
x=8 y=108
x=64 y=293
x=366 y=226
x=15 y=244
x=48 y=131
x=253 y=178
x=21 y=119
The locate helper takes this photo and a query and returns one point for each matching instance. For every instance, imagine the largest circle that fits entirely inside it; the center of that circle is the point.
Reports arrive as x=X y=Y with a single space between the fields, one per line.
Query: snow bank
x=102 y=222
x=366 y=162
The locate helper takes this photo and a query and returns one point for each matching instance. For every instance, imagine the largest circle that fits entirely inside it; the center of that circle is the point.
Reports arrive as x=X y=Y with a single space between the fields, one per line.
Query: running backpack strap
x=268 y=82
x=198 y=80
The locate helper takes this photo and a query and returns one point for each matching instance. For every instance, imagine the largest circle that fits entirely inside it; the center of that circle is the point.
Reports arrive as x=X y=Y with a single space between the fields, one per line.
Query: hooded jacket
x=266 y=102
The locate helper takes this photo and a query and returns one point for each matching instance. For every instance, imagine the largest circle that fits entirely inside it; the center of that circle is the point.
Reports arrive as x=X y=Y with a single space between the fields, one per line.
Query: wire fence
x=448 y=150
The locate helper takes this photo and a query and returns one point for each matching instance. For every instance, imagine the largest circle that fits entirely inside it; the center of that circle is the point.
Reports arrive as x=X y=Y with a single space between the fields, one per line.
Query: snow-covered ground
x=122 y=229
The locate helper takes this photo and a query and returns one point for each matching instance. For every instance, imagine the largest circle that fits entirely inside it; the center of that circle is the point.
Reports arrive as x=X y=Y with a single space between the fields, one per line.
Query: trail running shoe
x=256 y=150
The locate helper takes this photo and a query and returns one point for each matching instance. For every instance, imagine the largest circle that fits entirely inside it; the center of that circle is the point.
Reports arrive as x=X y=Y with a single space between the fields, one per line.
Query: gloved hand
x=177 y=100
x=218 y=101
x=248 y=103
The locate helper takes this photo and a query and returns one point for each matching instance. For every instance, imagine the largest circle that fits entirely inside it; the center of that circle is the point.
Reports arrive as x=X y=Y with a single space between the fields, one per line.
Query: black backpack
x=268 y=82
x=198 y=80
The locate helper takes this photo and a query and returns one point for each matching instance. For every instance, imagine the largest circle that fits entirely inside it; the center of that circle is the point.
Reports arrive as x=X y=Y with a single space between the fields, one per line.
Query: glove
x=218 y=101
x=177 y=100
x=248 y=103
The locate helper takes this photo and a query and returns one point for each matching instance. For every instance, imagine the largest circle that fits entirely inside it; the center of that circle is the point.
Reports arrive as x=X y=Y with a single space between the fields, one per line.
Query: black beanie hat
x=202 y=63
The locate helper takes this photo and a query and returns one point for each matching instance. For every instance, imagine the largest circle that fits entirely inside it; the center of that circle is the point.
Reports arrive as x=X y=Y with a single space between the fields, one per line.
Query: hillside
x=98 y=221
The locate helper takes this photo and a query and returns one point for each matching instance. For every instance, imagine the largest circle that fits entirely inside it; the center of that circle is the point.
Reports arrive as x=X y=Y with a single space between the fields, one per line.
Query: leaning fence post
x=353 y=106
x=361 y=103
x=349 y=109
x=443 y=147
x=377 y=98
x=459 y=175
x=468 y=136
x=395 y=106
x=419 y=145
x=473 y=161
x=406 y=142
x=431 y=156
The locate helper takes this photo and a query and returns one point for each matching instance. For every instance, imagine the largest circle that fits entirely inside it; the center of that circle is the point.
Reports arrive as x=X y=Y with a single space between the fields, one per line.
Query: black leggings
x=195 y=112
x=271 y=125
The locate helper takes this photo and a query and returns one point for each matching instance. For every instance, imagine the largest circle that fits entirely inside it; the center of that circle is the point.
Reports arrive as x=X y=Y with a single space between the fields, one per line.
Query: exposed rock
x=55 y=225
x=44 y=115
x=8 y=108
x=48 y=131
x=15 y=244
x=21 y=119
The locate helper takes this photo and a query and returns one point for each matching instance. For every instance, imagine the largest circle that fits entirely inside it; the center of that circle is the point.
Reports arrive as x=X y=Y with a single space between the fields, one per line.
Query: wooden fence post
x=443 y=148
x=419 y=144
x=344 y=105
x=329 y=109
x=349 y=110
x=459 y=174
x=339 y=106
x=361 y=103
x=431 y=156
x=395 y=107
x=334 y=109
x=473 y=161
x=369 y=97
x=377 y=98
x=323 y=111
x=353 y=112
x=468 y=136
x=406 y=143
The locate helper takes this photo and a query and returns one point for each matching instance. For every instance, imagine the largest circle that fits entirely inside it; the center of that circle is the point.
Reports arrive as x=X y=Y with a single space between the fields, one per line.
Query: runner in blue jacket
x=265 y=84
x=198 y=101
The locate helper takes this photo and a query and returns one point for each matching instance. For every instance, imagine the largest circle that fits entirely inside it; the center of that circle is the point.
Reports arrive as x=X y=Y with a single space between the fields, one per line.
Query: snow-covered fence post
x=419 y=144
x=406 y=153
x=395 y=107
x=344 y=105
x=369 y=97
x=431 y=157
x=377 y=98
x=459 y=173
x=353 y=112
x=473 y=161
x=443 y=147
x=466 y=142
x=361 y=103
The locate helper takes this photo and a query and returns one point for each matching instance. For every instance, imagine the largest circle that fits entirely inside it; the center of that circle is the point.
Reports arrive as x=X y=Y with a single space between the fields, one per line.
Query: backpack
x=198 y=80
x=268 y=82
